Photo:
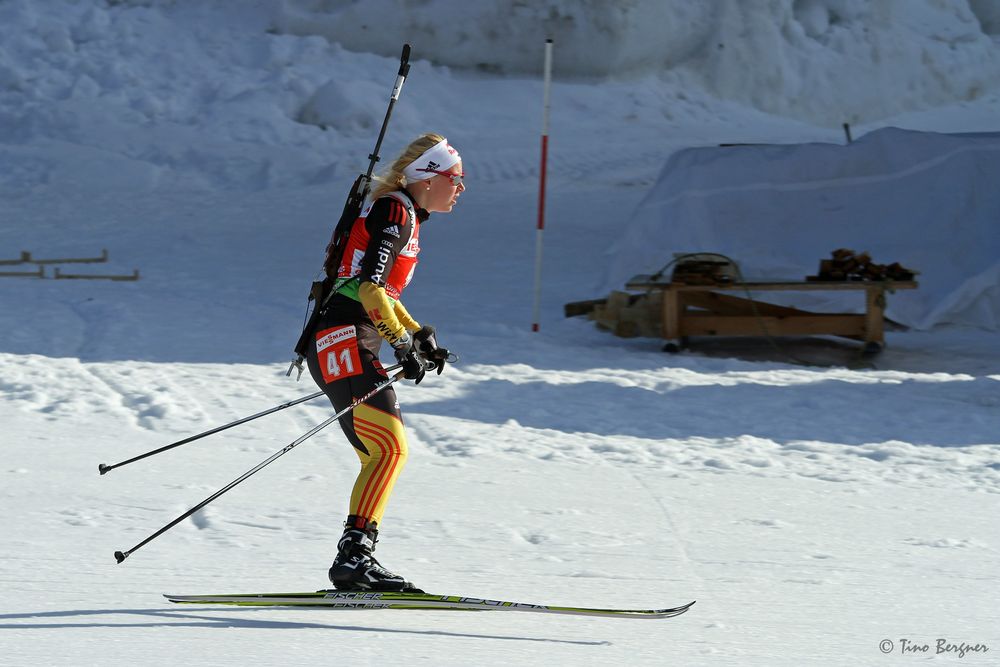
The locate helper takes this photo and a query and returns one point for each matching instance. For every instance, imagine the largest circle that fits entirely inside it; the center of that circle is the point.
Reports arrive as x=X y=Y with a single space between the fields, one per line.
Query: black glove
x=426 y=344
x=407 y=355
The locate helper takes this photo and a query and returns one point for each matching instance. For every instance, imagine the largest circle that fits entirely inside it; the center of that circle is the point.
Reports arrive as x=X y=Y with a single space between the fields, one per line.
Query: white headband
x=439 y=157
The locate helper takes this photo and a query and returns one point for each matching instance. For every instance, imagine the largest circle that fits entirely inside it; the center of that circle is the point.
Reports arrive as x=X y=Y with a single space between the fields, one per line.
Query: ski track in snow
x=567 y=418
x=661 y=418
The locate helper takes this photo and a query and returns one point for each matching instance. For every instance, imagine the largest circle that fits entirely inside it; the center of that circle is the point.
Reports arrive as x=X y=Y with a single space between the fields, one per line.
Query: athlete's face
x=442 y=190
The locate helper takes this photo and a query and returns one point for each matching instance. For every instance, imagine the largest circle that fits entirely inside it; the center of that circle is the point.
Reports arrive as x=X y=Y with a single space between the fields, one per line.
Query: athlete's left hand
x=425 y=340
x=408 y=357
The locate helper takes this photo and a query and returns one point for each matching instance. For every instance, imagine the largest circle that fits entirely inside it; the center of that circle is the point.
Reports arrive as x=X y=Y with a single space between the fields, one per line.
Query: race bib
x=337 y=353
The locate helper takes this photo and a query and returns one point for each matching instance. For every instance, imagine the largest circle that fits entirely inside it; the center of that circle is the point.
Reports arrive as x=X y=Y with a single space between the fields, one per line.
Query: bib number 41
x=337 y=353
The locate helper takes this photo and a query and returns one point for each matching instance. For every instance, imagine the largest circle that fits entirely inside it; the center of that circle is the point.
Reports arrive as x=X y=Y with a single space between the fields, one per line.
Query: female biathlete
x=374 y=268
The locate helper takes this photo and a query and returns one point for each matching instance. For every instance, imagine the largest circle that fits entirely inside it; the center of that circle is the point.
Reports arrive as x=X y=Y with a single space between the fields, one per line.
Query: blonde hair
x=392 y=179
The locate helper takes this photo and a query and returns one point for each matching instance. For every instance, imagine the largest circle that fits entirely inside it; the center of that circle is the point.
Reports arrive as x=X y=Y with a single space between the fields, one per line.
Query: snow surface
x=813 y=509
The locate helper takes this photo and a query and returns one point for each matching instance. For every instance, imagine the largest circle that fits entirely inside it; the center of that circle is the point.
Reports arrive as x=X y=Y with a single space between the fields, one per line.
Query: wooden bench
x=704 y=310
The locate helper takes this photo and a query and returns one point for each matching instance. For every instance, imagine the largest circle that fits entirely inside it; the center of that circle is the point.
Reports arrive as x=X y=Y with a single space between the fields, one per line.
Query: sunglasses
x=456 y=179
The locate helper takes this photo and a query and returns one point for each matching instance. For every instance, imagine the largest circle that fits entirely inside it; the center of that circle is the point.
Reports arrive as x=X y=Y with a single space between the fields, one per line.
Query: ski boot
x=355 y=569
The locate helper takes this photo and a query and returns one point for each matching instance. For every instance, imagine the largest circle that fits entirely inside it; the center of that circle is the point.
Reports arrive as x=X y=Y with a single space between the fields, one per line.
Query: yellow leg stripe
x=385 y=440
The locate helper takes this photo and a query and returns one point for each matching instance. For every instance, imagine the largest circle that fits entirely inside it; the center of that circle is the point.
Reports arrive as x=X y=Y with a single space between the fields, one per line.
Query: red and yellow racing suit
x=377 y=264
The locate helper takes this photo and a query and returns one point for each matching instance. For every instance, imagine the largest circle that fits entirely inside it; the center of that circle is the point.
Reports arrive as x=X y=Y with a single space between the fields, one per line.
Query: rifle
x=321 y=290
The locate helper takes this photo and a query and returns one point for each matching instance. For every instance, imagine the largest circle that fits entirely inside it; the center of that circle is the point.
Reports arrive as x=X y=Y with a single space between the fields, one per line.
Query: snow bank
x=154 y=94
x=822 y=61
x=926 y=200
x=595 y=37
x=146 y=95
x=835 y=61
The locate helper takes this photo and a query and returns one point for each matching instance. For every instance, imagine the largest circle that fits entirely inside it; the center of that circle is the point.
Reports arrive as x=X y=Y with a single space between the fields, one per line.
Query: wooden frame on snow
x=85 y=276
x=71 y=260
x=40 y=273
x=24 y=259
x=702 y=310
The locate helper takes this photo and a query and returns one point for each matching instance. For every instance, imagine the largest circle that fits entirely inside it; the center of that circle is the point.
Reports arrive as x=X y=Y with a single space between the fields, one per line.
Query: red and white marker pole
x=541 y=185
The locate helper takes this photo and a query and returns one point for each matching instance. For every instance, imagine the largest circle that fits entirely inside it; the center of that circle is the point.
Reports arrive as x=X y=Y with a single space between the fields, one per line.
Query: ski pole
x=122 y=555
x=104 y=468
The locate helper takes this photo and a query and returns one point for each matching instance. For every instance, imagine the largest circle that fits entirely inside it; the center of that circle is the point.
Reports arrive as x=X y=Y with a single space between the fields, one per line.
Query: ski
x=333 y=599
